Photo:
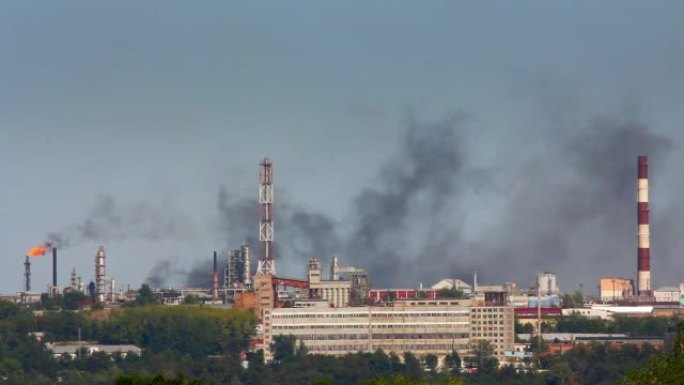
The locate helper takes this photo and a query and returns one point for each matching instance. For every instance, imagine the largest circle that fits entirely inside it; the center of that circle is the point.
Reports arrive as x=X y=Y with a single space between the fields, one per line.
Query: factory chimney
x=214 y=278
x=74 y=280
x=27 y=274
x=54 y=271
x=100 y=275
x=643 y=239
x=246 y=271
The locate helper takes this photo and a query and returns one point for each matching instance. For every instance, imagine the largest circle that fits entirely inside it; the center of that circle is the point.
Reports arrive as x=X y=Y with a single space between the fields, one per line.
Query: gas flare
x=39 y=250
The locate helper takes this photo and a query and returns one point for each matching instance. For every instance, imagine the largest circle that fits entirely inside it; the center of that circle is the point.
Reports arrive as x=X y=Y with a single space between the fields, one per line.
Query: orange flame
x=38 y=250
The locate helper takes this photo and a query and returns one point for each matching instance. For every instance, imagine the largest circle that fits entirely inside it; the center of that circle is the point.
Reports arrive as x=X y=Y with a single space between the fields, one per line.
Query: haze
x=419 y=140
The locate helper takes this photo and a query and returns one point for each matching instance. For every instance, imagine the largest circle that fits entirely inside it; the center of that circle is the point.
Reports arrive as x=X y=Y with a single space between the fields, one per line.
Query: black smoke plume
x=111 y=220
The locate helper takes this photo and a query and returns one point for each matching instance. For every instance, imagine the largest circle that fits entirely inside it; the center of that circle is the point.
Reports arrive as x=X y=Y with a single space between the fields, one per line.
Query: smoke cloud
x=112 y=220
x=569 y=208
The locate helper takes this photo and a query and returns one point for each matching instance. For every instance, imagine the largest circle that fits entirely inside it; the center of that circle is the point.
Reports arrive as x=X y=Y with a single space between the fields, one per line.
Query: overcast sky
x=418 y=140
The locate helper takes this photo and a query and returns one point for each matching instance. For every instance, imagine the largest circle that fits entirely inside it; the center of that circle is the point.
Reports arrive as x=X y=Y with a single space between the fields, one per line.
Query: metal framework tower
x=644 y=233
x=100 y=275
x=266 y=263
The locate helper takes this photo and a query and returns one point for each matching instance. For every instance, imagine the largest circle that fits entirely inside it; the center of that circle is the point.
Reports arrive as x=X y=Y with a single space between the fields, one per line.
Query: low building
x=73 y=349
x=453 y=283
x=603 y=314
x=668 y=294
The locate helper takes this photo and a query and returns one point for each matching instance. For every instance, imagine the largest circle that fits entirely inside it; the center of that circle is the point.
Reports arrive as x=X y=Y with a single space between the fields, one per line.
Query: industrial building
x=418 y=326
x=613 y=289
x=546 y=282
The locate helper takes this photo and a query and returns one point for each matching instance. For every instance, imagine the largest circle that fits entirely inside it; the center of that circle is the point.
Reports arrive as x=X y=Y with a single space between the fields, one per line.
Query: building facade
x=615 y=289
x=420 y=327
x=494 y=324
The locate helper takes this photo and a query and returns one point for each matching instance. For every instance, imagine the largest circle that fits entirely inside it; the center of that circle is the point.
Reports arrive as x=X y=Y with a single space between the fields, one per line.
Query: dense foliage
x=205 y=344
x=662 y=369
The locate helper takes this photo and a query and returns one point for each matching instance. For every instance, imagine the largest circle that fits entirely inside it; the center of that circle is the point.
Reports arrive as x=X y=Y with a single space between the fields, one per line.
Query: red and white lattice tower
x=644 y=247
x=266 y=263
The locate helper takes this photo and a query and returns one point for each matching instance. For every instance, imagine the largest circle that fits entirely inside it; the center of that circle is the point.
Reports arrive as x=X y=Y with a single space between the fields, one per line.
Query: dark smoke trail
x=418 y=182
x=109 y=220
x=573 y=209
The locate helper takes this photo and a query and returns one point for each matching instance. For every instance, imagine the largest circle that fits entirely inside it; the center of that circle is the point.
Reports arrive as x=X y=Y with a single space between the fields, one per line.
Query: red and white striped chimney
x=644 y=253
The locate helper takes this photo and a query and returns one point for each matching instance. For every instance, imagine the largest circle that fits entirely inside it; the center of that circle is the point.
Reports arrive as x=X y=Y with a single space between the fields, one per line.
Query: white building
x=453 y=283
x=547 y=283
x=667 y=294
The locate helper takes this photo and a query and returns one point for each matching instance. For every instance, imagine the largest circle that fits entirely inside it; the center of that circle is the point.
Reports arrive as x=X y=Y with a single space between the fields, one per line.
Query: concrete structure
x=644 y=232
x=625 y=310
x=359 y=286
x=667 y=294
x=615 y=289
x=603 y=314
x=547 y=283
x=451 y=283
x=494 y=324
x=336 y=292
x=338 y=331
x=265 y=297
x=418 y=326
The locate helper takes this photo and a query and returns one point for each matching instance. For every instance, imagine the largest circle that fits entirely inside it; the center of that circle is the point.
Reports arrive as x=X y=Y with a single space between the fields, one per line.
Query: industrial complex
x=334 y=310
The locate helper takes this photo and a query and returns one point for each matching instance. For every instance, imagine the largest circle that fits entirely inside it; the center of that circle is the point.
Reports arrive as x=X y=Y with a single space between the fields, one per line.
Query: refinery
x=335 y=309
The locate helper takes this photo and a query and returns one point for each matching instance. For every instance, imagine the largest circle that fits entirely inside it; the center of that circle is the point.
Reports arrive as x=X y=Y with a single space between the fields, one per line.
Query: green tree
x=191 y=299
x=412 y=365
x=572 y=300
x=146 y=296
x=283 y=347
x=663 y=369
x=453 y=361
x=431 y=361
x=480 y=350
x=452 y=293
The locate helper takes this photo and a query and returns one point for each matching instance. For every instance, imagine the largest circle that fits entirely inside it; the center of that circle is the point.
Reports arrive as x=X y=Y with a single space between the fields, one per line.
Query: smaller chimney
x=214 y=278
x=27 y=274
x=54 y=269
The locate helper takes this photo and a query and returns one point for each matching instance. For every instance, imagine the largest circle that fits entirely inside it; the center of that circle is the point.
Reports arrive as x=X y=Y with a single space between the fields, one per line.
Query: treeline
x=204 y=345
x=632 y=326
x=193 y=330
x=192 y=339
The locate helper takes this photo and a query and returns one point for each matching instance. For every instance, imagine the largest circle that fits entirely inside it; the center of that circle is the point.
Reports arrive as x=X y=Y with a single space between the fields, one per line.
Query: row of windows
x=320 y=326
x=432 y=326
x=486 y=328
x=487 y=322
x=419 y=325
x=487 y=334
x=488 y=309
x=478 y=316
x=352 y=348
x=446 y=314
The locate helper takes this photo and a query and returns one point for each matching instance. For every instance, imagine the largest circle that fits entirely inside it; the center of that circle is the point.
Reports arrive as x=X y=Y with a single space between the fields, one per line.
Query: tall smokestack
x=644 y=247
x=54 y=268
x=100 y=275
x=27 y=274
x=246 y=272
x=214 y=278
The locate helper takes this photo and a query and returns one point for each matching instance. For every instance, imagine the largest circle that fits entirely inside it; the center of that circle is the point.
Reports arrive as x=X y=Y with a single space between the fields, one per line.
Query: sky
x=417 y=140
